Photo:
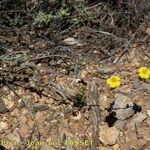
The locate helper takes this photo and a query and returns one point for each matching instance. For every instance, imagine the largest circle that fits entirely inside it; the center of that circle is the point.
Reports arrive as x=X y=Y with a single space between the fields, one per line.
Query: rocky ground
x=70 y=107
x=55 y=59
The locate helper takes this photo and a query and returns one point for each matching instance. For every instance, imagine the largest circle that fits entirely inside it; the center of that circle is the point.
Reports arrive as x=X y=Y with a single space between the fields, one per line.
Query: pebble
x=40 y=116
x=23 y=119
x=76 y=115
x=4 y=118
x=30 y=123
x=83 y=74
x=15 y=112
x=148 y=31
x=116 y=147
x=125 y=89
x=146 y=86
x=25 y=131
x=8 y=103
x=107 y=69
x=104 y=102
x=71 y=41
x=3 y=125
x=14 y=137
x=148 y=112
x=108 y=136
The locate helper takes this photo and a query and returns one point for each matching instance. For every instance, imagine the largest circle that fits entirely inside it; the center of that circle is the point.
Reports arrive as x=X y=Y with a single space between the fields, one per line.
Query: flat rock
x=107 y=69
x=108 y=136
x=121 y=101
x=146 y=86
x=137 y=119
x=120 y=124
x=132 y=140
x=146 y=146
x=139 y=85
x=123 y=114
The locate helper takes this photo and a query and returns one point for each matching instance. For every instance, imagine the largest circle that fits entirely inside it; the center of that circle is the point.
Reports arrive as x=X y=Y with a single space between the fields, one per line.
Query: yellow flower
x=113 y=81
x=144 y=72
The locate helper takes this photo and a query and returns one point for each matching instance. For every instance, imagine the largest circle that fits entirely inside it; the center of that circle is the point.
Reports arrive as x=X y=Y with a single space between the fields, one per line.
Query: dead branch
x=94 y=99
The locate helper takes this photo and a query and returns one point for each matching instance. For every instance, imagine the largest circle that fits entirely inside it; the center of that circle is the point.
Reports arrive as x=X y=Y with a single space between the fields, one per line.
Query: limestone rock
x=108 y=136
x=120 y=124
x=72 y=41
x=137 y=119
x=123 y=114
x=121 y=101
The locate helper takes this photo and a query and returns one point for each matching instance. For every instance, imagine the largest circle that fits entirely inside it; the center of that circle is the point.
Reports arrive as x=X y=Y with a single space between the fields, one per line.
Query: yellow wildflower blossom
x=113 y=81
x=144 y=72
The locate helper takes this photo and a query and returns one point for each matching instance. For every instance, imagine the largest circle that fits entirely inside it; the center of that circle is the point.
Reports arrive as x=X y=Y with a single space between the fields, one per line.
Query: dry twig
x=94 y=99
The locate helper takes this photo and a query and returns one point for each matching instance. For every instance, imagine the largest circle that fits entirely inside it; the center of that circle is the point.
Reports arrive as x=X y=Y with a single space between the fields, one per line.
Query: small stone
x=3 y=125
x=84 y=74
x=3 y=108
x=123 y=114
x=23 y=119
x=25 y=131
x=139 y=85
x=4 y=118
x=103 y=102
x=107 y=69
x=30 y=123
x=15 y=112
x=132 y=140
x=120 y=124
x=24 y=111
x=146 y=146
x=8 y=103
x=40 y=107
x=71 y=41
x=14 y=137
x=116 y=147
x=121 y=101
x=125 y=89
x=49 y=101
x=148 y=122
x=108 y=136
x=148 y=112
x=148 y=31
x=38 y=115
x=137 y=119
x=76 y=115
x=146 y=86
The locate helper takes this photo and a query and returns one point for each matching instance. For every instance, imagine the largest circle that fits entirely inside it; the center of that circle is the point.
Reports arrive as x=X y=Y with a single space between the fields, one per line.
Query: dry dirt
x=58 y=99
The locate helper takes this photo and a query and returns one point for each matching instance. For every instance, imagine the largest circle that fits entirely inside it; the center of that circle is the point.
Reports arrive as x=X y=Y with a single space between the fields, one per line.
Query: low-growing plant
x=79 y=99
x=43 y=19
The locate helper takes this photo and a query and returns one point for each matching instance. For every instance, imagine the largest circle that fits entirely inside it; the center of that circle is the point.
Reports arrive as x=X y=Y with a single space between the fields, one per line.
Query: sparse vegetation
x=69 y=69
x=80 y=98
